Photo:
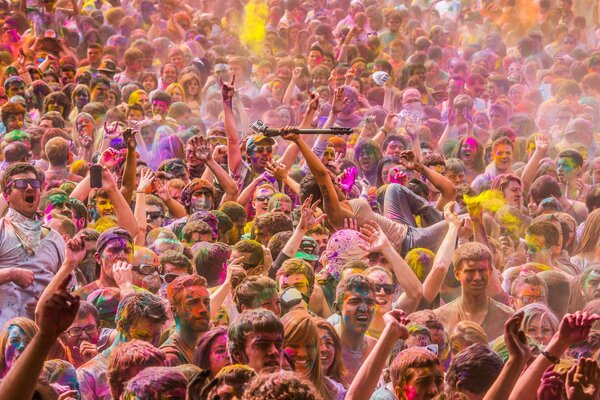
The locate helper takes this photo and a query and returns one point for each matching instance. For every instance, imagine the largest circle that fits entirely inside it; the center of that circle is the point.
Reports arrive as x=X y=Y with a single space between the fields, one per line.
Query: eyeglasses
x=144 y=269
x=389 y=289
x=22 y=183
x=260 y=149
x=76 y=331
x=153 y=215
x=170 y=277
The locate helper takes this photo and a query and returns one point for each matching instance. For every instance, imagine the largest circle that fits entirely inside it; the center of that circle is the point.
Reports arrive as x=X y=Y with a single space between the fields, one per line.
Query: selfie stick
x=260 y=127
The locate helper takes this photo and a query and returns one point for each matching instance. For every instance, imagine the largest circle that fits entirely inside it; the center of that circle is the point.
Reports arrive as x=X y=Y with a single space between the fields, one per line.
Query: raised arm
x=140 y=206
x=541 y=150
x=574 y=328
x=176 y=209
x=123 y=211
x=336 y=210
x=234 y=154
x=204 y=154
x=443 y=257
x=365 y=382
x=379 y=243
x=129 y=171
x=444 y=185
x=235 y=272
x=56 y=314
x=518 y=355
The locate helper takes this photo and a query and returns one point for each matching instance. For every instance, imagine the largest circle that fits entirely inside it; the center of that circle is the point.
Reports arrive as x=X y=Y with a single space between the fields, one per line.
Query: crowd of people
x=155 y=245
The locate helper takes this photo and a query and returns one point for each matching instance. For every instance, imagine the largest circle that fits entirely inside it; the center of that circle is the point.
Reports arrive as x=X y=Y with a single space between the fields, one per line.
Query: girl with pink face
x=211 y=351
x=470 y=151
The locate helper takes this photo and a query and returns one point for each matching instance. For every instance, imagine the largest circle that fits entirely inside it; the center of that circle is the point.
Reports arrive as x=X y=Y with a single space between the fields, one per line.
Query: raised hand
x=409 y=161
x=296 y=74
x=288 y=135
x=227 y=91
x=307 y=214
x=516 y=341
x=339 y=101
x=146 y=179
x=351 y=223
x=313 y=104
x=161 y=190
x=583 y=380
x=450 y=215
x=235 y=272
x=576 y=327
x=219 y=154
x=75 y=250
x=347 y=179
x=389 y=124
x=396 y=320
x=123 y=276
x=278 y=170
x=551 y=386
x=129 y=138
x=374 y=236
x=398 y=176
x=108 y=181
x=57 y=311
x=542 y=144
x=203 y=150
x=85 y=141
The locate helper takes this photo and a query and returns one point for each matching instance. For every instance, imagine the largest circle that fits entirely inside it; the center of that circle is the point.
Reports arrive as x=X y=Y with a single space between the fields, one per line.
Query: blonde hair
x=26 y=325
x=299 y=328
x=469 y=332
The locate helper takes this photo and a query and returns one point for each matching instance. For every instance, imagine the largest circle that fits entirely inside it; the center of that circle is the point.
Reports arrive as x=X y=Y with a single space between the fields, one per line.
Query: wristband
x=553 y=359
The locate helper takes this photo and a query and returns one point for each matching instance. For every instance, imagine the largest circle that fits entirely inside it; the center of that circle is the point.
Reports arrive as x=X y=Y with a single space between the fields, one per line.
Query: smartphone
x=96 y=176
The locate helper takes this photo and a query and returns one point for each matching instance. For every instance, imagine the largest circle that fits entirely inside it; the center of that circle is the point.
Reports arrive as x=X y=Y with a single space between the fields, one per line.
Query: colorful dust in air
x=255 y=17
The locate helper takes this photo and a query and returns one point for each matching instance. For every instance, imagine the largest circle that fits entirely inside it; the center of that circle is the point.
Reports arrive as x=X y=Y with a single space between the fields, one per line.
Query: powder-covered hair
x=282 y=385
x=156 y=383
x=127 y=359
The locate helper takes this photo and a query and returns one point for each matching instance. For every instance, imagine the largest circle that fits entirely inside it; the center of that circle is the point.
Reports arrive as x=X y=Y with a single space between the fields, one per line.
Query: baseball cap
x=254 y=140
x=308 y=249
x=380 y=77
x=111 y=234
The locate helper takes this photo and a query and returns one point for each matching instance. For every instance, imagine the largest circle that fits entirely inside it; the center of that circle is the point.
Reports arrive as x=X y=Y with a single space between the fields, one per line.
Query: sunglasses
x=261 y=199
x=22 y=183
x=170 y=277
x=387 y=288
x=144 y=269
x=153 y=215
x=260 y=149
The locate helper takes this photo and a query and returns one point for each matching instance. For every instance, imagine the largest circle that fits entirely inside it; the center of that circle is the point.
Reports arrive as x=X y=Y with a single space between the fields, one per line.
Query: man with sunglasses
x=30 y=253
x=145 y=269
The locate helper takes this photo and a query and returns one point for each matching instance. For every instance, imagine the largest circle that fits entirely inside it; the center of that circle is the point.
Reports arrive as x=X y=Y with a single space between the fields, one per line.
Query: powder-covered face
x=536 y=248
x=468 y=150
x=193 y=311
x=60 y=204
x=219 y=356
x=503 y=157
x=304 y=356
x=357 y=308
x=528 y=294
x=591 y=286
x=104 y=207
x=146 y=330
x=426 y=383
x=263 y=350
x=298 y=281
x=73 y=342
x=540 y=330
x=118 y=249
x=567 y=170
x=269 y=300
x=327 y=349
x=15 y=345
x=159 y=107
x=474 y=275
x=367 y=158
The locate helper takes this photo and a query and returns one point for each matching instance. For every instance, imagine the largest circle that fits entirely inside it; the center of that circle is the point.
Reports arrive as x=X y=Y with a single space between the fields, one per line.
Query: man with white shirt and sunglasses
x=30 y=253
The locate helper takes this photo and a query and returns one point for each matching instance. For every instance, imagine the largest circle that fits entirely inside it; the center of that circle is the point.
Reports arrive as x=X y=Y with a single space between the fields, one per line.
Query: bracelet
x=553 y=359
